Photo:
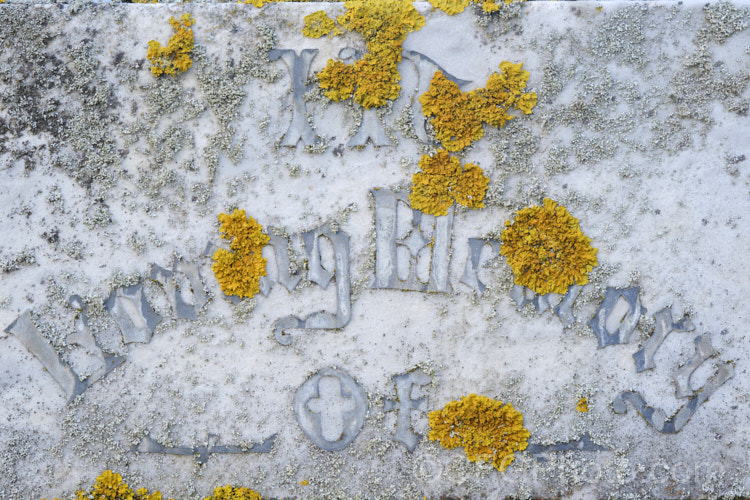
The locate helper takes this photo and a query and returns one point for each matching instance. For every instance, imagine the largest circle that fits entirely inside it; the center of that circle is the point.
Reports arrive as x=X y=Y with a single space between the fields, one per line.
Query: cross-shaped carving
x=332 y=405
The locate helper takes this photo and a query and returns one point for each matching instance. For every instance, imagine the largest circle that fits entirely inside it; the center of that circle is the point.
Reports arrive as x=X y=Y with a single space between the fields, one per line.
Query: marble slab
x=119 y=350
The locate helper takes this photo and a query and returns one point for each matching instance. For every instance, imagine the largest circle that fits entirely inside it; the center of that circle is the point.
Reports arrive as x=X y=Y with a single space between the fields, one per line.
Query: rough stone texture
x=639 y=131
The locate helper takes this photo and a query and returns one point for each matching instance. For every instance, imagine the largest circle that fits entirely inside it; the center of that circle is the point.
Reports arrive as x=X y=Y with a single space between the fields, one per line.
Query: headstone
x=125 y=134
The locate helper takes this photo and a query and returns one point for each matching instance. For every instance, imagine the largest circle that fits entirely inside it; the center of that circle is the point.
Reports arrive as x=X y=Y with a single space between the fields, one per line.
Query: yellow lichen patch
x=458 y=116
x=318 y=24
x=229 y=492
x=373 y=79
x=546 y=249
x=450 y=7
x=444 y=181
x=583 y=405
x=175 y=57
x=110 y=486
x=488 y=430
x=339 y=80
x=239 y=269
x=492 y=5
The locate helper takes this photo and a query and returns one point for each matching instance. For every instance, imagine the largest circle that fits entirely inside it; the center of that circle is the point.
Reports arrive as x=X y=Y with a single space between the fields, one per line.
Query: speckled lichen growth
x=318 y=24
x=458 y=116
x=452 y=7
x=373 y=79
x=234 y=493
x=488 y=430
x=110 y=486
x=443 y=181
x=546 y=249
x=239 y=269
x=175 y=57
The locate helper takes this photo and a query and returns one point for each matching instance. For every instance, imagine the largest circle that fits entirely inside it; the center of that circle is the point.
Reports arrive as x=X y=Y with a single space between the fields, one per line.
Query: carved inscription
x=617 y=316
x=404 y=403
x=414 y=240
x=298 y=67
x=202 y=452
x=321 y=276
x=656 y=417
x=132 y=313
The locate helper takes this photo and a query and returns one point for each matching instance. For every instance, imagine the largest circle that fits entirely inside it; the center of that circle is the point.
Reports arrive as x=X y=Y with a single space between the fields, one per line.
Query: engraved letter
x=415 y=239
x=32 y=340
x=281 y=255
x=132 y=313
x=175 y=290
x=471 y=271
x=404 y=403
x=616 y=319
x=644 y=359
x=703 y=351
x=318 y=274
x=656 y=418
x=299 y=68
x=426 y=68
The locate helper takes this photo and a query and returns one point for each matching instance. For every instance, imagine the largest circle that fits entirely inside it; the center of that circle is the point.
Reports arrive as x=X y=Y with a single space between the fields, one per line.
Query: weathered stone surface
x=114 y=179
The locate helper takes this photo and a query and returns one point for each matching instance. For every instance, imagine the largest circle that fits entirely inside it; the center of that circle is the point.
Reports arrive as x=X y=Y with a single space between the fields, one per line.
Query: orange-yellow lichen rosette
x=175 y=57
x=444 y=181
x=110 y=486
x=373 y=79
x=546 y=249
x=239 y=269
x=318 y=24
x=458 y=116
x=229 y=492
x=487 y=429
